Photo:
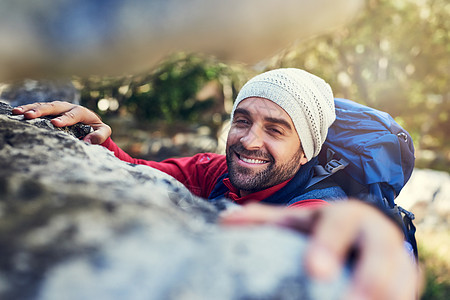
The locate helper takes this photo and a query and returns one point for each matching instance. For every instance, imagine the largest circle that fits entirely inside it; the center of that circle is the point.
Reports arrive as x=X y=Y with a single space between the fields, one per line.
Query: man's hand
x=67 y=114
x=383 y=269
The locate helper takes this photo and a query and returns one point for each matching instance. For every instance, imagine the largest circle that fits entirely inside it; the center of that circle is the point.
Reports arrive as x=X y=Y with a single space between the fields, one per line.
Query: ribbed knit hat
x=306 y=98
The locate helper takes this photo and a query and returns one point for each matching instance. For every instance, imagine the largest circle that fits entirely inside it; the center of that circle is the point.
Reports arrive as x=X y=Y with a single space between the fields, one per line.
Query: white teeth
x=252 y=161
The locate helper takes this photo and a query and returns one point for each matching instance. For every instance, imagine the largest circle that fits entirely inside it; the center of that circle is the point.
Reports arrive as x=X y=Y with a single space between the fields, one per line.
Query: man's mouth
x=251 y=160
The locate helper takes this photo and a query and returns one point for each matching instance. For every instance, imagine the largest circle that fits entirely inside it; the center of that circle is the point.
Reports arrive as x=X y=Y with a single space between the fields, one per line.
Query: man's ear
x=303 y=159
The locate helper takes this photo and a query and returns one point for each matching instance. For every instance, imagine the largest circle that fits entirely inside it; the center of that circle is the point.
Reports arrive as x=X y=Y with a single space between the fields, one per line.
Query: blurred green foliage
x=435 y=263
x=186 y=87
x=171 y=91
x=394 y=56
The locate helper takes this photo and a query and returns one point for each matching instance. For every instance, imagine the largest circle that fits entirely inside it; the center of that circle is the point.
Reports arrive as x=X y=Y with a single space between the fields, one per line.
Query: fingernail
x=17 y=110
x=88 y=140
x=322 y=263
x=57 y=121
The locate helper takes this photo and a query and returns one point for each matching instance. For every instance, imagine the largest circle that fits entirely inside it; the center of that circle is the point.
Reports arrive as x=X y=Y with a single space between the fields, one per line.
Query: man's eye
x=275 y=131
x=241 y=121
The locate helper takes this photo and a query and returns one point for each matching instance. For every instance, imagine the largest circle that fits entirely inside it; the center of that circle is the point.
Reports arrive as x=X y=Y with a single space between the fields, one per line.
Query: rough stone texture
x=78 y=223
x=78 y=130
x=28 y=91
x=427 y=195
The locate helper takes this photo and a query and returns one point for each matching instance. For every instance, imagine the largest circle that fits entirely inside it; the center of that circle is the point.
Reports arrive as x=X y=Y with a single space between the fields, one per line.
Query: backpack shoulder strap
x=330 y=168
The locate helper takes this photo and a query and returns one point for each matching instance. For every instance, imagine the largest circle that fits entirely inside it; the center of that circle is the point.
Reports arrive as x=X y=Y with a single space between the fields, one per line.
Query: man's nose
x=253 y=139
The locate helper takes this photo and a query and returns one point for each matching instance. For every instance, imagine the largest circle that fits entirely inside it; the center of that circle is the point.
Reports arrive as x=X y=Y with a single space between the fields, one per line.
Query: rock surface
x=427 y=195
x=44 y=90
x=77 y=222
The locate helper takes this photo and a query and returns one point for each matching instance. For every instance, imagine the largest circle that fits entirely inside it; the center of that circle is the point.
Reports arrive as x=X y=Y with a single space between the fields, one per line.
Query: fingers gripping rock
x=78 y=130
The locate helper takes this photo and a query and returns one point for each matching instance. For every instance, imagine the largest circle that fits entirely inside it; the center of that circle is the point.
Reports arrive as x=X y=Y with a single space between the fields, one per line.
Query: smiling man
x=262 y=150
x=279 y=122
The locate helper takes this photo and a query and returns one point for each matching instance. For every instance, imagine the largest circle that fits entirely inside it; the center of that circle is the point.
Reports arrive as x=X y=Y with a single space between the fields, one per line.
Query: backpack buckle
x=403 y=136
x=409 y=214
x=335 y=165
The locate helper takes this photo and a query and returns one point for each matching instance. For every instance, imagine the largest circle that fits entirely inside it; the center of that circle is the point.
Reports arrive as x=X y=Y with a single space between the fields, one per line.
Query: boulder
x=77 y=223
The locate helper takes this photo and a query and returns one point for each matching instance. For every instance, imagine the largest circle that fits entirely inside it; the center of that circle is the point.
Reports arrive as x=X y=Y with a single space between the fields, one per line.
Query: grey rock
x=78 y=130
x=427 y=195
x=77 y=223
x=43 y=90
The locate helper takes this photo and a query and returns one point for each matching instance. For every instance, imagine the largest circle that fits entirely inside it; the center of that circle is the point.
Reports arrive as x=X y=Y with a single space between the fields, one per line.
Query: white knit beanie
x=306 y=98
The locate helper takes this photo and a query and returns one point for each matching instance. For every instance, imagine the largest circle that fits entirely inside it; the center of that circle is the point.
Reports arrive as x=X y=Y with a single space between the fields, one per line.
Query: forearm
x=122 y=155
x=186 y=169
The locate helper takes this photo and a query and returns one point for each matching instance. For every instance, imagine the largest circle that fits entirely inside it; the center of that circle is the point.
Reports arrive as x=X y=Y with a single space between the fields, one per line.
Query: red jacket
x=200 y=173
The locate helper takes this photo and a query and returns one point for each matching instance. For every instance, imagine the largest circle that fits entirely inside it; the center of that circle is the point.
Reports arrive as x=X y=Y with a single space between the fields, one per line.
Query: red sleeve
x=198 y=173
x=310 y=203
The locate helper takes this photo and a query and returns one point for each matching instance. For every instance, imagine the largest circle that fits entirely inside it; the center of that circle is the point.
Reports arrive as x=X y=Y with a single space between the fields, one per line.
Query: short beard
x=273 y=174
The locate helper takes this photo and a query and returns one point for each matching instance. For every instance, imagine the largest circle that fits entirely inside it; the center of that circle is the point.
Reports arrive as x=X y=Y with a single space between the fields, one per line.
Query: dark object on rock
x=76 y=221
x=78 y=130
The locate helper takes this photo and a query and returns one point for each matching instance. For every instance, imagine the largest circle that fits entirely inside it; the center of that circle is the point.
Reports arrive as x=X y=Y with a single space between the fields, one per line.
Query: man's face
x=263 y=148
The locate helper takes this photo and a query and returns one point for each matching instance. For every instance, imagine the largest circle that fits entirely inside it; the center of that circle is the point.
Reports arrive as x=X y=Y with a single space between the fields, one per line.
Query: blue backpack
x=370 y=157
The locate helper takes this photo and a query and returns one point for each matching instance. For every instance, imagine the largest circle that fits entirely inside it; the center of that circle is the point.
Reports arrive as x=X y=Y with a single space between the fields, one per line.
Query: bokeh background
x=394 y=56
